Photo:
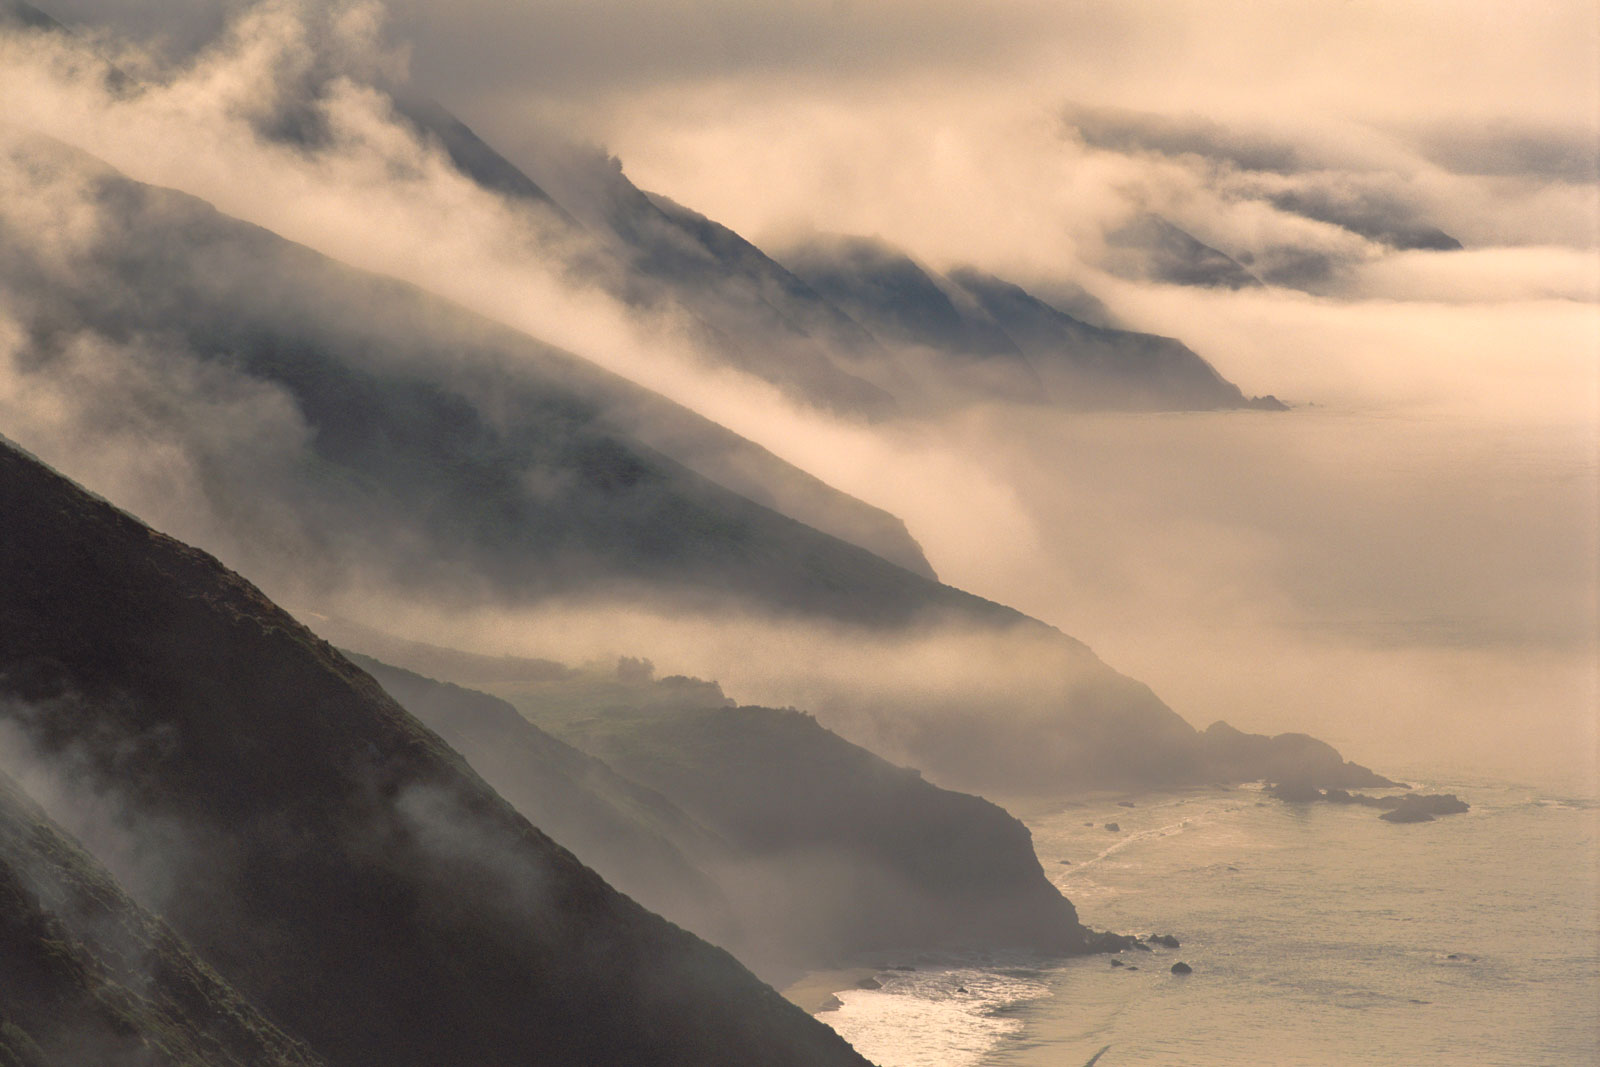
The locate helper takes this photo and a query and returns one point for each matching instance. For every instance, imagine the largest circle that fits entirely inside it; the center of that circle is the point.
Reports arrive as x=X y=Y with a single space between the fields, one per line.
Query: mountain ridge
x=338 y=862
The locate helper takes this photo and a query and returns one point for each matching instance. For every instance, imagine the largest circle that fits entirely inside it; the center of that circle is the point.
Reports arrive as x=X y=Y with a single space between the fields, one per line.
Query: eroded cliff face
x=332 y=858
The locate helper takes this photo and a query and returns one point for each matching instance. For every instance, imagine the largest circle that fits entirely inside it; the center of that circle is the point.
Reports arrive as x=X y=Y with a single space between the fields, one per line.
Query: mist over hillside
x=331 y=857
x=376 y=452
x=743 y=447
x=88 y=976
x=754 y=827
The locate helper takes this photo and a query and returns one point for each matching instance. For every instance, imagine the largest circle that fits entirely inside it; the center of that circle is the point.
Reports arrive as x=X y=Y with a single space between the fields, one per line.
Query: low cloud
x=1265 y=602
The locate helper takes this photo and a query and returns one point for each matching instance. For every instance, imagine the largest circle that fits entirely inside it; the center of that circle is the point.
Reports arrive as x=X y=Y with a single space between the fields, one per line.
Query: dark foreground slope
x=333 y=859
x=87 y=976
x=821 y=850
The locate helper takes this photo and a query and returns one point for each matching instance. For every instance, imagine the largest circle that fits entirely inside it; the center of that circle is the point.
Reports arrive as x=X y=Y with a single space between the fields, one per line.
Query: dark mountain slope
x=1150 y=247
x=1086 y=366
x=823 y=850
x=969 y=335
x=329 y=856
x=894 y=295
x=750 y=312
x=1375 y=217
x=637 y=839
x=89 y=977
x=814 y=323
x=845 y=853
x=20 y=13
x=474 y=157
x=800 y=307
x=440 y=448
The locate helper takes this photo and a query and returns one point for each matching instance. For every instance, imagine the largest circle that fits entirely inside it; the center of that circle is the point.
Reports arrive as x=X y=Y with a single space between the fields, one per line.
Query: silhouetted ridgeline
x=845 y=851
x=330 y=857
x=820 y=850
x=636 y=838
x=333 y=432
x=968 y=335
x=830 y=323
x=441 y=448
x=1284 y=758
x=1153 y=248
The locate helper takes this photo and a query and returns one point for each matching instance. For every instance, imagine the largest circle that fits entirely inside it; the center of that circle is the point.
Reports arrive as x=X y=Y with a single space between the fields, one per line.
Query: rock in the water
x=1421 y=807
x=833 y=1003
x=1125 y=804
x=869 y=983
x=1412 y=807
x=1432 y=803
x=1113 y=827
x=1118 y=963
x=1066 y=863
x=1296 y=792
x=1406 y=813
x=1163 y=939
x=1182 y=968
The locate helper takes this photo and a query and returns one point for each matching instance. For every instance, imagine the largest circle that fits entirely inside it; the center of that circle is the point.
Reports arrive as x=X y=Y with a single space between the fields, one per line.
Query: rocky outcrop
x=1285 y=758
x=1422 y=807
x=1406 y=807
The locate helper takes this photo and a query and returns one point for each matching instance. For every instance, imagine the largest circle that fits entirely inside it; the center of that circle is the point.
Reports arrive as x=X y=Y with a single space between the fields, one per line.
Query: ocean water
x=1317 y=934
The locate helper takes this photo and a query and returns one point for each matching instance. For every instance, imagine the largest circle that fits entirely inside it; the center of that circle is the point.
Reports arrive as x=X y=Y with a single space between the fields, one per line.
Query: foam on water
x=936 y=1016
x=1318 y=934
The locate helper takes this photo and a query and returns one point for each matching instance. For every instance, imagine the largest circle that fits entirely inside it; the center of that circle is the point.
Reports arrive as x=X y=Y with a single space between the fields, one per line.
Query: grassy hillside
x=87 y=976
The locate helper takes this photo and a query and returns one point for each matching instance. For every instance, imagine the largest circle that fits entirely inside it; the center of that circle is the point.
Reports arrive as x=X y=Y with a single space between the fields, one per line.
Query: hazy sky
x=1013 y=135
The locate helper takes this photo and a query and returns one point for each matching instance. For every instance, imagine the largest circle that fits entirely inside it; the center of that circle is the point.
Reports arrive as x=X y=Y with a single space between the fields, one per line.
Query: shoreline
x=816 y=992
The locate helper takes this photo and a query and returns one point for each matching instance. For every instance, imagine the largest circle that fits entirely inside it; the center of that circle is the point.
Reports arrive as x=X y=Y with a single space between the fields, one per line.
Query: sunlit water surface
x=1317 y=934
